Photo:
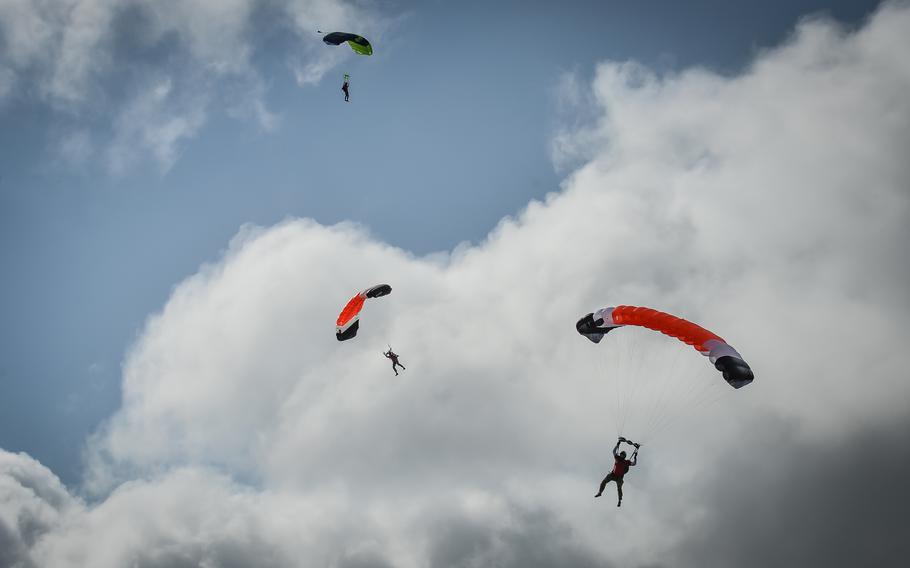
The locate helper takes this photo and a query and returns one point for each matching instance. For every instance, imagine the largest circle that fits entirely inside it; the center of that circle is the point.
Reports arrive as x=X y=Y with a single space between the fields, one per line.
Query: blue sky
x=448 y=131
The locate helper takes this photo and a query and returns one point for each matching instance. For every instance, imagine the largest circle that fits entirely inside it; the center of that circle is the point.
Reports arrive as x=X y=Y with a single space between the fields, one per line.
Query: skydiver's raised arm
x=635 y=457
x=616 y=450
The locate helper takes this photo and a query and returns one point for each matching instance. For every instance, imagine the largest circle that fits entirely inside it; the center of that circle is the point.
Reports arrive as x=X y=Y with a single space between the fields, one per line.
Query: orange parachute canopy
x=721 y=354
x=348 y=322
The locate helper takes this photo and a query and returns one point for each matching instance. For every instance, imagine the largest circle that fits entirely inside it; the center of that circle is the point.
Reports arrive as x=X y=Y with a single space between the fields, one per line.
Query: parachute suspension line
x=601 y=371
x=692 y=388
x=632 y=378
x=670 y=385
x=702 y=392
x=665 y=402
x=661 y=388
x=666 y=417
x=656 y=390
x=621 y=390
x=624 y=376
x=681 y=390
x=709 y=394
x=607 y=389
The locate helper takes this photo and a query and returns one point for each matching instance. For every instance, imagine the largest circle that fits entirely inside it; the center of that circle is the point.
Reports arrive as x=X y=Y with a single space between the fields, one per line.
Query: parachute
x=721 y=354
x=348 y=322
x=358 y=43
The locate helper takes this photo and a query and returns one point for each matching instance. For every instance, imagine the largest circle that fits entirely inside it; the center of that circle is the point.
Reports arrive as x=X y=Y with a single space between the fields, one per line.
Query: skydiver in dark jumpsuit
x=394 y=358
x=620 y=466
x=345 y=87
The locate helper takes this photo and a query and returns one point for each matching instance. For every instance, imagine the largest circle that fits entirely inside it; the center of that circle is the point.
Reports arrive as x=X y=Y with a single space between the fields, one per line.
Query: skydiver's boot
x=603 y=485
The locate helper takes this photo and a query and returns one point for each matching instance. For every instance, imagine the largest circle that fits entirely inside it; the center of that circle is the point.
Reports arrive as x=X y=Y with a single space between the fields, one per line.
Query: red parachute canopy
x=724 y=357
x=348 y=322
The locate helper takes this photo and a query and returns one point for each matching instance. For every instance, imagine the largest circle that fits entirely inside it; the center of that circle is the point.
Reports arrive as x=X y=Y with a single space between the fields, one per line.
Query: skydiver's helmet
x=622 y=454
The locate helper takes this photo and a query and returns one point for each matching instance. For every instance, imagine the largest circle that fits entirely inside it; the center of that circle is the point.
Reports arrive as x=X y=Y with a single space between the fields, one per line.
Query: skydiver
x=394 y=358
x=345 y=88
x=620 y=466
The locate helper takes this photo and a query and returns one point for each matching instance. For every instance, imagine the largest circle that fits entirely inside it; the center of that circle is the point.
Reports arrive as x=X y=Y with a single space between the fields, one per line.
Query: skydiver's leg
x=619 y=491
x=603 y=484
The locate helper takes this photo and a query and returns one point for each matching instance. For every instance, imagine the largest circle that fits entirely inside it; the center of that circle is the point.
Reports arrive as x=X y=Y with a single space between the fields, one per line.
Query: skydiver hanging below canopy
x=394 y=358
x=620 y=467
x=345 y=87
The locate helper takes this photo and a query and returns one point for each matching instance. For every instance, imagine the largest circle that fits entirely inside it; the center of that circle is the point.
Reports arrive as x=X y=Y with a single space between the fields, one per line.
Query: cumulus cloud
x=794 y=504
x=32 y=503
x=772 y=205
x=152 y=122
x=93 y=59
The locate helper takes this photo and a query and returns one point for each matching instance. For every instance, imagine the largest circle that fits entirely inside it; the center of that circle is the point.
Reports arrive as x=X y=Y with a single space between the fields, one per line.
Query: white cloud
x=33 y=502
x=154 y=122
x=81 y=56
x=76 y=147
x=771 y=206
x=248 y=102
x=312 y=72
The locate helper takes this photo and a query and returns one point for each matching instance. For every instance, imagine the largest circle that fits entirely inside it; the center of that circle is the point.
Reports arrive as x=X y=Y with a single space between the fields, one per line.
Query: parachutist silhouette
x=394 y=358
x=345 y=87
x=620 y=466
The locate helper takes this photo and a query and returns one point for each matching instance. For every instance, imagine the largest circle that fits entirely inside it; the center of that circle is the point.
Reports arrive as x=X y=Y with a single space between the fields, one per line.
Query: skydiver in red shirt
x=620 y=467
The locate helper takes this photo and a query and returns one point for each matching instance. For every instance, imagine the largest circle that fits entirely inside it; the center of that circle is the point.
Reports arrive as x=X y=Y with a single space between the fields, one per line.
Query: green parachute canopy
x=358 y=43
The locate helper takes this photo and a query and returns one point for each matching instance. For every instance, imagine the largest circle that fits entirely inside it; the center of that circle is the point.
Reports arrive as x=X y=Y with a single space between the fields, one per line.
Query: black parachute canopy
x=358 y=43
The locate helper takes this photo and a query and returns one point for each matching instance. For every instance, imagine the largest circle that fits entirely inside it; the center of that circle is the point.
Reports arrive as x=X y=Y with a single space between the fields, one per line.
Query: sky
x=187 y=203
